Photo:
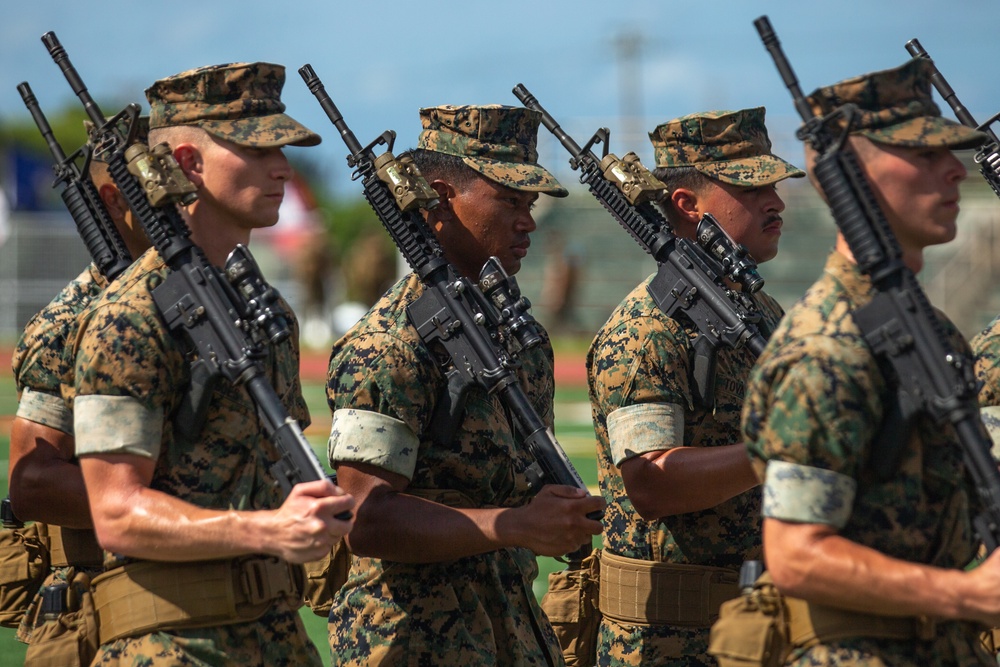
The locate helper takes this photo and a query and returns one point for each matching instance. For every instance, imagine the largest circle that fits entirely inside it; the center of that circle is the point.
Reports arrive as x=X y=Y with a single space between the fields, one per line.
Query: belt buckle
x=255 y=581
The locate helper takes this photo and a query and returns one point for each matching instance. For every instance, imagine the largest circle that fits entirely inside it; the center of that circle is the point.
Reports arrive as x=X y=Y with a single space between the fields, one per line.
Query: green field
x=573 y=429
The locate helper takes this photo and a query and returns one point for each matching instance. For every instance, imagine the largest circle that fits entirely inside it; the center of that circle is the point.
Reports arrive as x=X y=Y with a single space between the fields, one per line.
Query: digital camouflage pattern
x=43 y=363
x=125 y=349
x=986 y=348
x=238 y=102
x=816 y=398
x=478 y=610
x=731 y=146
x=41 y=360
x=276 y=638
x=497 y=141
x=894 y=107
x=641 y=356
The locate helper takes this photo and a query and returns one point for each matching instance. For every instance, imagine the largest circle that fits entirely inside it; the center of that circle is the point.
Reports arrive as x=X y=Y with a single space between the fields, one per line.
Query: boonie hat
x=895 y=107
x=731 y=146
x=497 y=141
x=238 y=102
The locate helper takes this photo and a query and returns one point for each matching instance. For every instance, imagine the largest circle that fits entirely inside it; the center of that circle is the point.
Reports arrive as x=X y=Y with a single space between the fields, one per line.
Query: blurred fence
x=579 y=253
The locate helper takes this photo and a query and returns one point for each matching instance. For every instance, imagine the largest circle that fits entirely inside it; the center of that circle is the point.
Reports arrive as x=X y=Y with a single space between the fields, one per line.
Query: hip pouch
x=571 y=604
x=752 y=629
x=24 y=564
x=63 y=623
x=325 y=577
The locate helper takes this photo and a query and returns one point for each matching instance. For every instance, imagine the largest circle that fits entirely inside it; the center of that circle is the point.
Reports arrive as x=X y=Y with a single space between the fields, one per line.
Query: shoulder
x=636 y=323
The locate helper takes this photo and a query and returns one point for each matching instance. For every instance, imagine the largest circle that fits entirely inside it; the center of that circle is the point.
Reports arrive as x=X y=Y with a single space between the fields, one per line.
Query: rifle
x=690 y=276
x=988 y=155
x=480 y=327
x=100 y=235
x=230 y=316
x=928 y=375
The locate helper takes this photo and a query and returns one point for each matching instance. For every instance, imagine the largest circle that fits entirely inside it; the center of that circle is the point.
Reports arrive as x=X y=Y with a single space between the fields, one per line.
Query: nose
x=773 y=203
x=526 y=222
x=280 y=168
x=956 y=171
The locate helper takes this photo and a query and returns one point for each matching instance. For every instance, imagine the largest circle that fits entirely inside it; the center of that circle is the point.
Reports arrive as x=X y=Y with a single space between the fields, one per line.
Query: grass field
x=573 y=429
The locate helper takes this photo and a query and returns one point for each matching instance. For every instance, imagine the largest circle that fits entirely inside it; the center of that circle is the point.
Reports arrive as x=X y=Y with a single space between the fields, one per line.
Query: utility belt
x=762 y=627
x=810 y=624
x=642 y=592
x=148 y=596
x=74 y=547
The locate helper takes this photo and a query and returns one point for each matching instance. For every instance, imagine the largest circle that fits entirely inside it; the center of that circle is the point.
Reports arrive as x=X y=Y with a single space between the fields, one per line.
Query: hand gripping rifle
x=928 y=376
x=480 y=327
x=691 y=275
x=988 y=155
x=93 y=222
x=228 y=316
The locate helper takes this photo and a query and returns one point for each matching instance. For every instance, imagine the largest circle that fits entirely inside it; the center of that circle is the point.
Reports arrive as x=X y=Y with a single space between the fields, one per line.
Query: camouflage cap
x=731 y=146
x=141 y=135
x=497 y=141
x=238 y=102
x=895 y=107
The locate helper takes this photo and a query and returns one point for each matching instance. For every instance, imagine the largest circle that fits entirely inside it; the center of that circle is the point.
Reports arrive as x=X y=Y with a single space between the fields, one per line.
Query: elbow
x=28 y=494
x=369 y=530
x=650 y=506
x=648 y=491
x=113 y=528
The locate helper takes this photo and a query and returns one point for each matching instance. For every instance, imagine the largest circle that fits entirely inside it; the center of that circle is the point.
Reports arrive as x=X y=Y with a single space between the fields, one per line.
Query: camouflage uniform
x=42 y=364
x=986 y=348
x=132 y=373
x=640 y=369
x=383 y=387
x=43 y=372
x=816 y=400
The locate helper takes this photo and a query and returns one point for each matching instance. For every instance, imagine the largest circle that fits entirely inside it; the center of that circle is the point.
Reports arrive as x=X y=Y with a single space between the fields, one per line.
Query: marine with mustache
x=682 y=502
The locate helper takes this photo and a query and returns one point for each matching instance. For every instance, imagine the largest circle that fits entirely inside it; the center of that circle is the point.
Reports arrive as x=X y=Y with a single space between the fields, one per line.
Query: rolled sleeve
x=362 y=436
x=649 y=427
x=45 y=409
x=804 y=494
x=117 y=425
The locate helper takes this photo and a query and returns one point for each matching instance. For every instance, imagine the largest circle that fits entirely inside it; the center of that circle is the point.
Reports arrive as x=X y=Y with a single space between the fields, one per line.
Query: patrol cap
x=497 y=141
x=141 y=135
x=895 y=107
x=238 y=102
x=731 y=146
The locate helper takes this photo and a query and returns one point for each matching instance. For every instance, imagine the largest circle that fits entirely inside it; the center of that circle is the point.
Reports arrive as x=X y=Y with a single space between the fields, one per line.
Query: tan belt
x=642 y=592
x=146 y=596
x=810 y=624
x=76 y=547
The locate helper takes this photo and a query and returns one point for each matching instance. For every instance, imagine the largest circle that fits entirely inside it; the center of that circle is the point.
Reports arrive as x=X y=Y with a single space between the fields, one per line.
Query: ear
x=685 y=202
x=446 y=193
x=113 y=201
x=189 y=158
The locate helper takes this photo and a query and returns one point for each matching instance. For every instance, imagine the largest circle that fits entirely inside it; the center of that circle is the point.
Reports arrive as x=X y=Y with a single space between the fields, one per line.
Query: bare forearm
x=687 y=479
x=151 y=524
x=408 y=529
x=831 y=570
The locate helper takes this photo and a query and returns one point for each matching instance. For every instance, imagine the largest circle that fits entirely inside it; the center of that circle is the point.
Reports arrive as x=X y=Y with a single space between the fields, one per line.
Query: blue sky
x=381 y=61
